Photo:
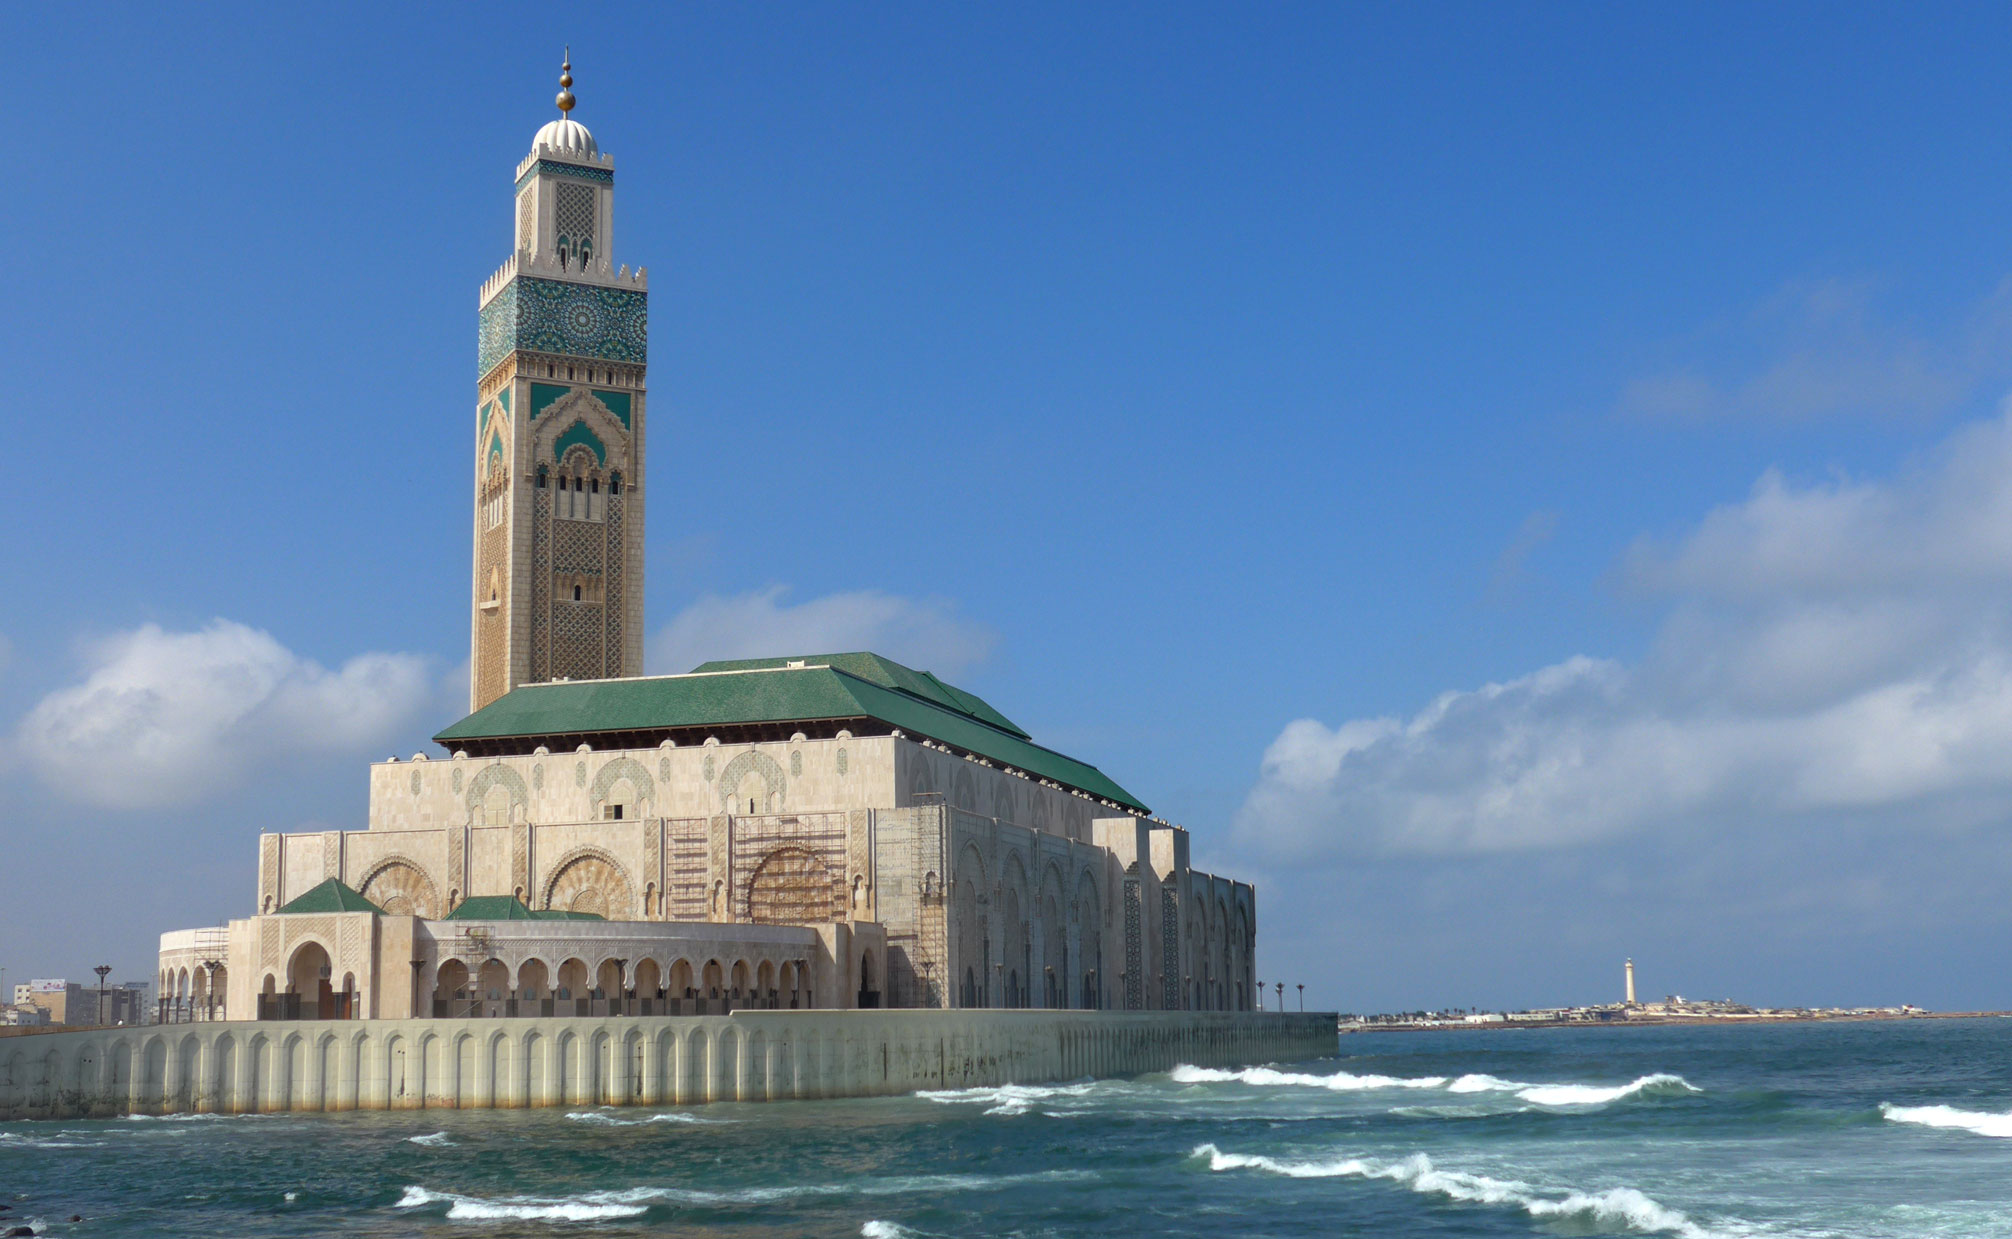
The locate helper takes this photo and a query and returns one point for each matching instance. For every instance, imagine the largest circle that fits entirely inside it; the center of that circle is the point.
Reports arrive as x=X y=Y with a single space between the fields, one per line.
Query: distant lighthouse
x=1630 y=973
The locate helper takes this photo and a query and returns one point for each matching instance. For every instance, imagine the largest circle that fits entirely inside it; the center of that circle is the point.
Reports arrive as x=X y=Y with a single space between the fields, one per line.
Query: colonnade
x=239 y=1067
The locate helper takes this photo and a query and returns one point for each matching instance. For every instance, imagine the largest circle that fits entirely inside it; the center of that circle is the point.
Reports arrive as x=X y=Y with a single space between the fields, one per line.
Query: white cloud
x=926 y=633
x=1835 y=649
x=164 y=717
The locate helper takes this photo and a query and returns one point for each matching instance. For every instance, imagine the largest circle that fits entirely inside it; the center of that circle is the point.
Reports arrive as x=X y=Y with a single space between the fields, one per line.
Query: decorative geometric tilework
x=556 y=316
x=548 y=167
x=841 y=762
x=538 y=778
x=613 y=581
x=1170 y=950
x=579 y=774
x=525 y=204
x=574 y=219
x=457 y=781
x=415 y=783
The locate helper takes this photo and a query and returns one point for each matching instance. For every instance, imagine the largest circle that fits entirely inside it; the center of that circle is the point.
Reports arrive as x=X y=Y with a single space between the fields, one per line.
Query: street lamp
x=1280 y=987
x=1260 y=995
x=101 y=970
x=1302 y=995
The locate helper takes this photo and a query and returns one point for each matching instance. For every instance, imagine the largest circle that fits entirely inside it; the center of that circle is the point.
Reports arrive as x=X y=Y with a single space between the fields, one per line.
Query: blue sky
x=1518 y=482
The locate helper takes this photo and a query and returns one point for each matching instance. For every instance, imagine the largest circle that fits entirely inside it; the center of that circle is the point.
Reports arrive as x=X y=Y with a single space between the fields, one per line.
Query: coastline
x=1665 y=1021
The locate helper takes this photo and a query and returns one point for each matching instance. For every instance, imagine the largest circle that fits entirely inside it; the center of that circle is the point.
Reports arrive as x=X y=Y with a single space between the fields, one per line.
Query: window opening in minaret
x=576 y=593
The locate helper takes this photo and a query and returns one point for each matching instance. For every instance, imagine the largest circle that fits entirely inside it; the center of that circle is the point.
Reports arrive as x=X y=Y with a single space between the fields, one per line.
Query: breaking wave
x=1981 y=1122
x=598 y=1119
x=1659 y=1084
x=1620 y=1206
x=877 y=1229
x=438 y=1140
x=582 y=1208
x=1007 y=1098
x=1340 y=1081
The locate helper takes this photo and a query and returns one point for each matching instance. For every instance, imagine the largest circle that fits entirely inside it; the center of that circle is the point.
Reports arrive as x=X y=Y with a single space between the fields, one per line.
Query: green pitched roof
x=331 y=896
x=771 y=691
x=510 y=908
x=887 y=674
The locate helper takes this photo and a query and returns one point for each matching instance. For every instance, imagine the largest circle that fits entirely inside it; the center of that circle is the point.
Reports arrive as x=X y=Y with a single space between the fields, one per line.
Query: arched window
x=576 y=593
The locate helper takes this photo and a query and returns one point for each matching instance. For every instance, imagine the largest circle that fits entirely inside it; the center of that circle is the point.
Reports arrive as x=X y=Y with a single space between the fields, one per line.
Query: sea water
x=1897 y=1128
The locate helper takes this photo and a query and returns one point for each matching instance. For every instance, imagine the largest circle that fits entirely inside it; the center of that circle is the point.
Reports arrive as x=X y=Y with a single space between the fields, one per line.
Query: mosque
x=804 y=831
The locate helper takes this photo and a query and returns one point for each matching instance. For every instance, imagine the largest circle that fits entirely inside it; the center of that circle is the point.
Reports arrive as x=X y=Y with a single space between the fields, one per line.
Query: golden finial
x=565 y=99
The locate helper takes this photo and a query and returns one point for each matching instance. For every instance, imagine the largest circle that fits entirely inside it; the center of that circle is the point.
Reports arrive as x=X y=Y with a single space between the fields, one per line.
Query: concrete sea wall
x=241 y=1067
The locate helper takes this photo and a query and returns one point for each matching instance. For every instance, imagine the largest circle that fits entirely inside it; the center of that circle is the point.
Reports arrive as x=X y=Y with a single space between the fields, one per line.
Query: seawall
x=241 y=1067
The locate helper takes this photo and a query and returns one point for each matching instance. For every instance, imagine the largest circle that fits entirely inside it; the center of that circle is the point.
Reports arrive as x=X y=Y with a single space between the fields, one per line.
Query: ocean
x=1899 y=1128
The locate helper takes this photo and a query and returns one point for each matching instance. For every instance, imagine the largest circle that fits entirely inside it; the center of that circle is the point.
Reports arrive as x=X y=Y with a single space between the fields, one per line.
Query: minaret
x=1630 y=972
x=559 y=431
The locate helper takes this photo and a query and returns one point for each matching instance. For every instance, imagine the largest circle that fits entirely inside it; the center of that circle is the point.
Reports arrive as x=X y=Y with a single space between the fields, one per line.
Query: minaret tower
x=559 y=420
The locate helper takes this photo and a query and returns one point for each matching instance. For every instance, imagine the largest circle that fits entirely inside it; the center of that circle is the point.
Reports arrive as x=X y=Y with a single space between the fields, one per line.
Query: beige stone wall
x=240 y=1068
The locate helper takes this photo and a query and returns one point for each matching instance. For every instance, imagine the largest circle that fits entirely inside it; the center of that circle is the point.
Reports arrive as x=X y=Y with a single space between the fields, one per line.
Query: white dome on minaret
x=567 y=136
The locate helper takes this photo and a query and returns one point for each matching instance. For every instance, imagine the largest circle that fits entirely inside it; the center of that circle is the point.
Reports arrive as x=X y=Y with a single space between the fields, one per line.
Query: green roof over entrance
x=330 y=896
x=510 y=908
x=839 y=688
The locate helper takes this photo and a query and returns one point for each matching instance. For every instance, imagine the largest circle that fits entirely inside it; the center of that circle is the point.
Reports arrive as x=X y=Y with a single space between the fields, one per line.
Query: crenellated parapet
x=601 y=274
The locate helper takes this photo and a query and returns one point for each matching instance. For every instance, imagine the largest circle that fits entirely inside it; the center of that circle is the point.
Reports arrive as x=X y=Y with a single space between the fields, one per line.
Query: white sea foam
x=1660 y=1083
x=877 y=1229
x=437 y=1140
x=1983 y=1123
x=22 y=1140
x=582 y=1208
x=1620 y=1206
x=1340 y=1081
x=598 y=1119
x=1007 y=1099
x=628 y=1202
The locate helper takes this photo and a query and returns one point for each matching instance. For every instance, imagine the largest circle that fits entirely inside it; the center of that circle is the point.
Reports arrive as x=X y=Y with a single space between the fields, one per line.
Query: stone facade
x=559 y=433
x=938 y=855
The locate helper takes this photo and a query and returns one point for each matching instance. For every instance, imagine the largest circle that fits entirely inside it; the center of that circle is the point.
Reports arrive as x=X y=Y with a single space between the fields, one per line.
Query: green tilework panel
x=482 y=427
x=504 y=396
x=617 y=402
x=542 y=396
x=558 y=316
x=578 y=433
x=805 y=694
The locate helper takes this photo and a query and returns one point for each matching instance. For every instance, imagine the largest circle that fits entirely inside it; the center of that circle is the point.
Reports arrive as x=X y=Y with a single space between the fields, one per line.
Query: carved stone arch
x=964 y=789
x=497 y=775
x=591 y=880
x=775 y=784
x=792 y=886
x=971 y=867
x=400 y=886
x=1052 y=883
x=580 y=408
x=617 y=770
